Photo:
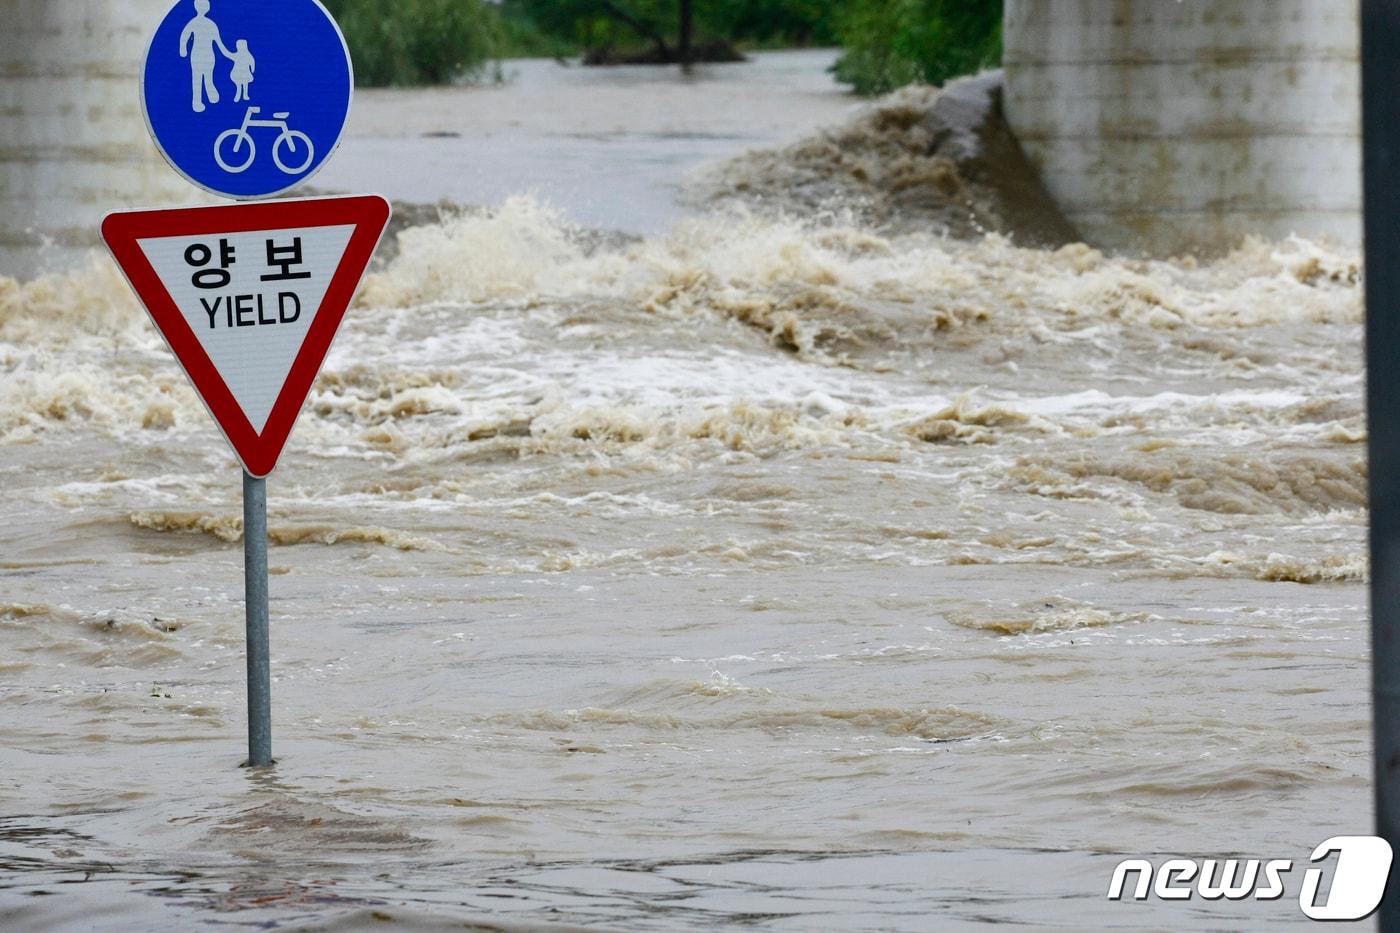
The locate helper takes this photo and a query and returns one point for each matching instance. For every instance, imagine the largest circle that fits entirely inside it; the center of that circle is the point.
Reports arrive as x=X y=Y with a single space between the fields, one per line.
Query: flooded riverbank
x=755 y=569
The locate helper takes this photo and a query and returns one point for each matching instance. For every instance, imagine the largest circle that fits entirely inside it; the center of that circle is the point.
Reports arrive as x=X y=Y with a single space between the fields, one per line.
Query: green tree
x=888 y=43
x=891 y=43
x=665 y=25
x=412 y=42
x=773 y=22
x=601 y=24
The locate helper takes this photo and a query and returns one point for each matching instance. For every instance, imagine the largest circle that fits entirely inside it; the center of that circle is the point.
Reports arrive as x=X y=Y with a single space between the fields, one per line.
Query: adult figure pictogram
x=197 y=43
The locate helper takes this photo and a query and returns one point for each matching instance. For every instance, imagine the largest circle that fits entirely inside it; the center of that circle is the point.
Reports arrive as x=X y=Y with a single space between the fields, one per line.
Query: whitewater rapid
x=778 y=569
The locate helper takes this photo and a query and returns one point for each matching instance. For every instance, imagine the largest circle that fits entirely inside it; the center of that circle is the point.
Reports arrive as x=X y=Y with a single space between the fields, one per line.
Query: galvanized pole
x=1380 y=127
x=255 y=600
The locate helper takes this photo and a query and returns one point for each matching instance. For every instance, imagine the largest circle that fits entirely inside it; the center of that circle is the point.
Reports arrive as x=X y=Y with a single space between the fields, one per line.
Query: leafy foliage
x=521 y=36
x=412 y=42
x=602 y=24
x=772 y=22
x=891 y=43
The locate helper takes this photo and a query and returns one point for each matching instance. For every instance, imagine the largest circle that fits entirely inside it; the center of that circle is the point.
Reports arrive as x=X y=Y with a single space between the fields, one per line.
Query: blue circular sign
x=247 y=98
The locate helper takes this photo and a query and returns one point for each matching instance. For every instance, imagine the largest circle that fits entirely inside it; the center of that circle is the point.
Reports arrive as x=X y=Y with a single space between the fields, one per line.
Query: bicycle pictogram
x=289 y=142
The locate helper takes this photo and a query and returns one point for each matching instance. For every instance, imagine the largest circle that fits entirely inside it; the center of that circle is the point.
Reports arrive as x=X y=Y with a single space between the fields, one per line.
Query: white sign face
x=250 y=299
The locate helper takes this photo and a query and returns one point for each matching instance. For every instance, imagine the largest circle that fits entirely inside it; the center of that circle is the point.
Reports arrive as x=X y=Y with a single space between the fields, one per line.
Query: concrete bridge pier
x=73 y=144
x=1176 y=126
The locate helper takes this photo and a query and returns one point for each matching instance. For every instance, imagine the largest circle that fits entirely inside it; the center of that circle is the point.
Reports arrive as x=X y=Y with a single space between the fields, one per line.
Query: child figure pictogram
x=242 y=73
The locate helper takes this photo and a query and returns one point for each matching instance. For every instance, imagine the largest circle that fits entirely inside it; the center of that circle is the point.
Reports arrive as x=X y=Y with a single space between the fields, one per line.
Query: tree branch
x=637 y=26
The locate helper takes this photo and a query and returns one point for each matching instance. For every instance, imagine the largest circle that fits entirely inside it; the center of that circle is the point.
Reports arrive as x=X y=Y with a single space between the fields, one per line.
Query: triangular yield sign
x=249 y=297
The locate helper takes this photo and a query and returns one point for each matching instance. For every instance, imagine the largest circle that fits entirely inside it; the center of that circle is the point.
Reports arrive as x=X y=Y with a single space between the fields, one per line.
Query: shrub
x=413 y=42
x=598 y=26
x=891 y=43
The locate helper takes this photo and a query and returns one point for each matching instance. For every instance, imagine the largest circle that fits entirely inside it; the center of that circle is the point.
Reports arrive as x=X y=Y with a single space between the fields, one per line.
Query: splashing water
x=680 y=567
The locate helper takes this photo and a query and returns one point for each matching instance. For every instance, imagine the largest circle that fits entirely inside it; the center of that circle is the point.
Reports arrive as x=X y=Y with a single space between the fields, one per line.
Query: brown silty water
x=785 y=569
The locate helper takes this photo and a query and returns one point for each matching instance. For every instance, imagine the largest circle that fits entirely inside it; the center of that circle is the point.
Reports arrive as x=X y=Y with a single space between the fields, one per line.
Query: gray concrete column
x=73 y=144
x=1167 y=126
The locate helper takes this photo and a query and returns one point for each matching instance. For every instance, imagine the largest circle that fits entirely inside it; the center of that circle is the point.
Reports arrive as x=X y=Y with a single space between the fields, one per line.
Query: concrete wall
x=73 y=144
x=1165 y=126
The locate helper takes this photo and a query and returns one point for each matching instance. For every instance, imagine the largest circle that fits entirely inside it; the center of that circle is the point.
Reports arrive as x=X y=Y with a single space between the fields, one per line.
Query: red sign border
x=120 y=230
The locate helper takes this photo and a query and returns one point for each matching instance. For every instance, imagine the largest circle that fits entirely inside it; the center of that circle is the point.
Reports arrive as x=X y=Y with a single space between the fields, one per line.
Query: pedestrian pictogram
x=249 y=297
x=247 y=99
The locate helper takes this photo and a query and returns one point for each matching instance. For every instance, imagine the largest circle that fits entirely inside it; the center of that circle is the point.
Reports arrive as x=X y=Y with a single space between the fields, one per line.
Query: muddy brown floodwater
x=766 y=570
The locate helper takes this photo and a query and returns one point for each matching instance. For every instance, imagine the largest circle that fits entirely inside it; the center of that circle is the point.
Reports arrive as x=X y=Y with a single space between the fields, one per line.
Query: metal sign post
x=249 y=297
x=1380 y=127
x=248 y=100
x=255 y=598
